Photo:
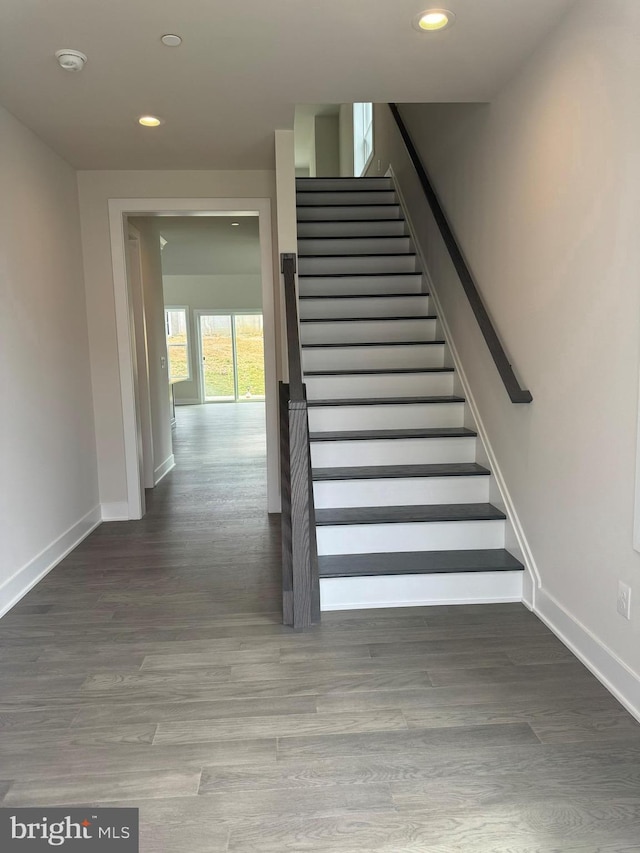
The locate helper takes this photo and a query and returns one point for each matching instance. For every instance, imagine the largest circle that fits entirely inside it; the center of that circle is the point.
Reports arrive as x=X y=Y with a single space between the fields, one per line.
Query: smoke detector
x=71 y=60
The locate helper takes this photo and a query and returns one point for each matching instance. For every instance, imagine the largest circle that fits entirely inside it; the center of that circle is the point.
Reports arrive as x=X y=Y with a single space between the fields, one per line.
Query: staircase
x=402 y=506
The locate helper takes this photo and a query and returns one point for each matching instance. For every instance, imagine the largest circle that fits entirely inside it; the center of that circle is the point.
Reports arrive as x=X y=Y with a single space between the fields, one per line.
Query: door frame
x=219 y=312
x=119 y=211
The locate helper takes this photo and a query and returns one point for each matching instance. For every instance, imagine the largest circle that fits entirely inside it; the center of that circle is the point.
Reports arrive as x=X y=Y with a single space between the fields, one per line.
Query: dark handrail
x=296 y=390
x=516 y=393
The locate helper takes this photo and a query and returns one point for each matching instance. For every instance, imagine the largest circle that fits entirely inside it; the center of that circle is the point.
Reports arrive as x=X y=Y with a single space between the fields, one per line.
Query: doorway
x=119 y=212
x=231 y=356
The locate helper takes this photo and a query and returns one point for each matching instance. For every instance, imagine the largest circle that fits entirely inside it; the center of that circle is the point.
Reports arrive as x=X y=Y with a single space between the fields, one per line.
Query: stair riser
x=399 y=451
x=354 y=246
x=347 y=264
x=391 y=330
x=356 y=285
x=382 y=228
x=413 y=416
x=420 y=536
x=343 y=184
x=401 y=492
x=411 y=306
x=379 y=385
x=373 y=357
x=361 y=213
x=420 y=590
x=347 y=198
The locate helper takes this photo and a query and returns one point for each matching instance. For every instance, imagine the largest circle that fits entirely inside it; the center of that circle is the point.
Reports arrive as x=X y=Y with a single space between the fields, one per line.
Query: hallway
x=150 y=670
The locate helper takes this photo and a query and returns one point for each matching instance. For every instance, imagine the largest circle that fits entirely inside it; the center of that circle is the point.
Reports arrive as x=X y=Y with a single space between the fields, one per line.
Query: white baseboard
x=115 y=511
x=420 y=590
x=17 y=586
x=607 y=667
x=162 y=470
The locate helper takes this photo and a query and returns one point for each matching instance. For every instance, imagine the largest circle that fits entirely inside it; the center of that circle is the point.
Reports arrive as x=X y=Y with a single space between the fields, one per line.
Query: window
x=362 y=137
x=177 y=324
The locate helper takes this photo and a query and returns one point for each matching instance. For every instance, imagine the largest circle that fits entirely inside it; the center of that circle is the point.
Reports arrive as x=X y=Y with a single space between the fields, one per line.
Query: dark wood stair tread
x=375 y=344
x=368 y=319
x=417 y=562
x=383 y=434
x=384 y=472
x=408 y=514
x=384 y=401
x=381 y=371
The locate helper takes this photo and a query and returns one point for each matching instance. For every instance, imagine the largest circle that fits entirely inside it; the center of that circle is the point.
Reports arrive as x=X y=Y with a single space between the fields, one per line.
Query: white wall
x=49 y=495
x=345 y=131
x=327 y=146
x=96 y=188
x=541 y=187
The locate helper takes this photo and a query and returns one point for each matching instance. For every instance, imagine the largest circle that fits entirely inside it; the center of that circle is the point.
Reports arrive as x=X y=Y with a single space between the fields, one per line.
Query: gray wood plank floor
x=150 y=669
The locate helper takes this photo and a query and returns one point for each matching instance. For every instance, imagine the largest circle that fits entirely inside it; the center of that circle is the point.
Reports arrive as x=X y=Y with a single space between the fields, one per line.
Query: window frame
x=187 y=345
x=362 y=138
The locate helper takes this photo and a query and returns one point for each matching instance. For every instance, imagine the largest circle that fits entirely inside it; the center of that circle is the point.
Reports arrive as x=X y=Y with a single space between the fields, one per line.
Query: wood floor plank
x=199 y=731
x=132 y=786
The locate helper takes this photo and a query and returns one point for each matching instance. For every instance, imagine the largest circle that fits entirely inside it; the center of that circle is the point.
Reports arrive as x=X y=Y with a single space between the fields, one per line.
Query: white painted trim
x=527 y=555
x=607 y=667
x=115 y=511
x=119 y=209
x=17 y=586
x=162 y=470
x=420 y=590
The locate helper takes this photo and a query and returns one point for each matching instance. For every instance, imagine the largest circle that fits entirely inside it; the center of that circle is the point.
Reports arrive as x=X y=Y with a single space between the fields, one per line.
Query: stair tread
x=385 y=472
x=366 y=296
x=351 y=203
x=391 y=219
x=418 y=562
x=356 y=274
x=356 y=189
x=367 y=319
x=408 y=514
x=379 y=371
x=385 y=401
x=364 y=255
x=375 y=344
x=384 y=434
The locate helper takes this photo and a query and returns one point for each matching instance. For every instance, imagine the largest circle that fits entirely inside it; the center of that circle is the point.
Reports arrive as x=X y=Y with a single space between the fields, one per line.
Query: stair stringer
x=515 y=539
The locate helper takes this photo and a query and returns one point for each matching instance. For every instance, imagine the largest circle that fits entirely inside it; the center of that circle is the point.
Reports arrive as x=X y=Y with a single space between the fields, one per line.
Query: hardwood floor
x=150 y=669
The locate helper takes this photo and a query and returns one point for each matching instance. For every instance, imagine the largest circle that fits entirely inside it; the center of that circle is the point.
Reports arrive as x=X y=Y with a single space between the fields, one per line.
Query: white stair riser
x=380 y=306
x=401 y=416
x=356 y=264
x=390 y=330
x=383 y=228
x=343 y=184
x=401 y=491
x=420 y=590
x=379 y=385
x=356 y=285
x=420 y=536
x=361 y=212
x=345 y=358
x=353 y=245
x=353 y=197
x=396 y=451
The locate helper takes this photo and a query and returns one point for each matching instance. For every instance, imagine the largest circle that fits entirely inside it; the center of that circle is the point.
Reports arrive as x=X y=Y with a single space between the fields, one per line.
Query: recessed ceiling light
x=235 y=223
x=433 y=19
x=171 y=40
x=149 y=121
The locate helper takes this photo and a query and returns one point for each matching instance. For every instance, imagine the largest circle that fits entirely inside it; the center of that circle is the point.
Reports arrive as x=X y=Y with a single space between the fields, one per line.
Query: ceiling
x=241 y=69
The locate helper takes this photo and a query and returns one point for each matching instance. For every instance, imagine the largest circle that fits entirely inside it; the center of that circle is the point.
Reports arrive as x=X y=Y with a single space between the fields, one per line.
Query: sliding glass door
x=232 y=351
